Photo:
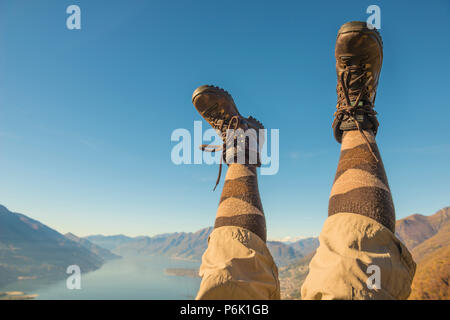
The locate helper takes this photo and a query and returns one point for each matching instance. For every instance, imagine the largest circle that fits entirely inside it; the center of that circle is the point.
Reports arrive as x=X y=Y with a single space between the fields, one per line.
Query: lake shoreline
x=16 y=295
x=137 y=278
x=182 y=272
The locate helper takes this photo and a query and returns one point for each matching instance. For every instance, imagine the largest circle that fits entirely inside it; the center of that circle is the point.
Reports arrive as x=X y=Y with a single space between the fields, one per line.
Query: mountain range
x=180 y=245
x=28 y=248
x=190 y=246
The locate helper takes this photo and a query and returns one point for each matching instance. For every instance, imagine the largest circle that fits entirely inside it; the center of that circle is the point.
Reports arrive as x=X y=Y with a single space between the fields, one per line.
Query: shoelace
x=350 y=108
x=214 y=148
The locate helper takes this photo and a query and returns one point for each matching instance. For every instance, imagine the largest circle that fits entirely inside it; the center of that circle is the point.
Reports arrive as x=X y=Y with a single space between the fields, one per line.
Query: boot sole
x=216 y=90
x=251 y=121
x=254 y=123
x=359 y=26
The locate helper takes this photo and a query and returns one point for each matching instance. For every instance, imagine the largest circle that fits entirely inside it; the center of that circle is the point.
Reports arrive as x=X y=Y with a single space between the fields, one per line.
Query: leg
x=237 y=263
x=358 y=238
x=361 y=185
x=240 y=204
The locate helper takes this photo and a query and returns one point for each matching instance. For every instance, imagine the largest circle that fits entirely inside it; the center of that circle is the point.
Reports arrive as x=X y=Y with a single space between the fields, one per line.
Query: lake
x=126 y=278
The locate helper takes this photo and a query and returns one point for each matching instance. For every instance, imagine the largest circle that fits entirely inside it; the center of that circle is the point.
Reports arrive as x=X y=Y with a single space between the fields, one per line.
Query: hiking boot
x=240 y=144
x=359 y=56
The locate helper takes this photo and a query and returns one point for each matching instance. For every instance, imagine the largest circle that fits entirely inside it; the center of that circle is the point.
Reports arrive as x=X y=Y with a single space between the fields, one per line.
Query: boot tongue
x=356 y=81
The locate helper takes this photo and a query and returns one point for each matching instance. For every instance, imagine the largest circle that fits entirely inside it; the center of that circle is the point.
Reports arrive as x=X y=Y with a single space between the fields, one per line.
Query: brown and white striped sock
x=240 y=204
x=361 y=185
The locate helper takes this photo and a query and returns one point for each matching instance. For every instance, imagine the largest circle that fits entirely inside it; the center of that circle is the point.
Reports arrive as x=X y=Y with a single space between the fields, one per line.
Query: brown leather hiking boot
x=359 y=56
x=217 y=107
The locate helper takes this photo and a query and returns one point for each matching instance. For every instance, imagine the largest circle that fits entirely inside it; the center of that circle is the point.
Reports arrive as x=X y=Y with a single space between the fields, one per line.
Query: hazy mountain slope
x=192 y=245
x=108 y=242
x=105 y=254
x=432 y=277
x=176 y=245
x=282 y=253
x=306 y=246
x=29 y=248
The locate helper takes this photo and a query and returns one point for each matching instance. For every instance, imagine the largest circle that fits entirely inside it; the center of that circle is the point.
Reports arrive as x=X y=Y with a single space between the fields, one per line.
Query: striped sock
x=361 y=185
x=240 y=204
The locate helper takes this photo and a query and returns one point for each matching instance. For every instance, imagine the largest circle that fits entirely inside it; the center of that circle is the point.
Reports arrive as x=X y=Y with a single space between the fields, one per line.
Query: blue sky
x=86 y=115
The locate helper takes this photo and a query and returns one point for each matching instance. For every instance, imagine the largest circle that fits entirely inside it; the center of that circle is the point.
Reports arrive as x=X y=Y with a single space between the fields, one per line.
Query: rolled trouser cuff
x=352 y=249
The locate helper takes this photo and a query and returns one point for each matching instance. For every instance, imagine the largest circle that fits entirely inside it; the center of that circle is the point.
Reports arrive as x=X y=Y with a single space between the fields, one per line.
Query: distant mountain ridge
x=108 y=242
x=427 y=237
x=29 y=248
x=181 y=245
x=103 y=253
x=191 y=245
x=286 y=253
